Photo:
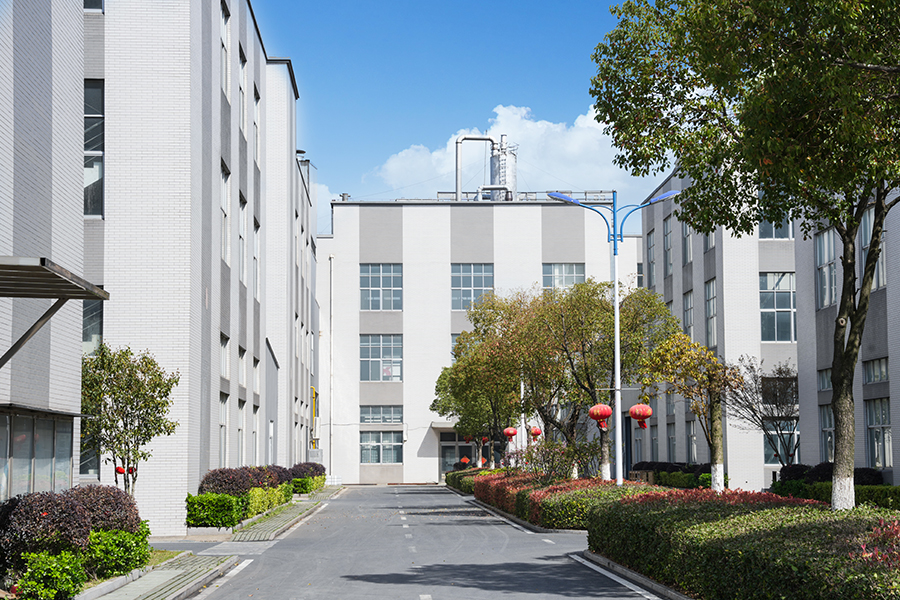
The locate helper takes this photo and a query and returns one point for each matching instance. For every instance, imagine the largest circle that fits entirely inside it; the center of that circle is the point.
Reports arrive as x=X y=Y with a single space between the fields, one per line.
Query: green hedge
x=885 y=496
x=114 y=553
x=307 y=485
x=744 y=545
x=51 y=576
x=677 y=479
x=214 y=510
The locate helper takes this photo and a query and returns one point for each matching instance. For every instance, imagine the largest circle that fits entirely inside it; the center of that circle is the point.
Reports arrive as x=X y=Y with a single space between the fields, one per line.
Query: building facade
x=393 y=297
x=196 y=220
x=735 y=295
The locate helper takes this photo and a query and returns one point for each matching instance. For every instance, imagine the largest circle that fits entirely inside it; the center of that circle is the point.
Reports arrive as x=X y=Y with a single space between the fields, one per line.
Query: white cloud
x=551 y=156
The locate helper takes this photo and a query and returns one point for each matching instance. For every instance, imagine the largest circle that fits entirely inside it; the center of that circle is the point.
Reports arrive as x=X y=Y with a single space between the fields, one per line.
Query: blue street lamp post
x=615 y=229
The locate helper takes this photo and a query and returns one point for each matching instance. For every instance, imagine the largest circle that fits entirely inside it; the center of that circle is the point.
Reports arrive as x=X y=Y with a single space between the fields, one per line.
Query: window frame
x=687 y=314
x=770 y=285
x=878 y=423
x=865 y=240
x=393 y=360
x=651 y=259
x=826 y=270
x=392 y=293
x=667 y=247
x=374 y=442
x=687 y=250
x=710 y=312
x=458 y=286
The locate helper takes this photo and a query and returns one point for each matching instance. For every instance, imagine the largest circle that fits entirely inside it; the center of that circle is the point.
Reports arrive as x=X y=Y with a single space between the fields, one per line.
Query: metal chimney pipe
x=495 y=147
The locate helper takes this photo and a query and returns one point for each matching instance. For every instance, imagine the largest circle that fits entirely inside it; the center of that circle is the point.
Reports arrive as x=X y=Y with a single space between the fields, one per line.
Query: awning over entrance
x=24 y=277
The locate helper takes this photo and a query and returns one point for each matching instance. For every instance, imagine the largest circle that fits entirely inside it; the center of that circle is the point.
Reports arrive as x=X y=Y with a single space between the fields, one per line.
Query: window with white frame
x=240 y=431
x=381 y=447
x=651 y=259
x=256 y=375
x=35 y=454
x=640 y=274
x=826 y=433
x=875 y=371
x=93 y=4
x=638 y=446
x=654 y=443
x=878 y=433
x=687 y=251
x=225 y=205
x=690 y=429
x=256 y=278
x=243 y=92
x=381 y=357
x=381 y=286
x=667 y=246
x=91 y=326
x=225 y=365
x=670 y=442
x=242 y=367
x=257 y=147
x=381 y=414
x=670 y=402
x=785 y=443
x=826 y=283
x=776 y=231
x=453 y=338
x=865 y=240
x=709 y=289
x=223 y=430
x=823 y=379
x=687 y=313
x=242 y=240
x=224 y=39
x=777 y=307
x=709 y=241
x=254 y=458
x=93 y=146
x=562 y=275
x=469 y=282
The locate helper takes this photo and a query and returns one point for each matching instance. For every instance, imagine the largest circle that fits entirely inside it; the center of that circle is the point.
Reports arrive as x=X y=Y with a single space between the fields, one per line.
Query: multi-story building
x=876 y=379
x=41 y=245
x=735 y=295
x=394 y=294
x=197 y=218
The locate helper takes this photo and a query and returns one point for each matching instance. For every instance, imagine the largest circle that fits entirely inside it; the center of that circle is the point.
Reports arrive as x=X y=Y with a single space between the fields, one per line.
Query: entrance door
x=453 y=450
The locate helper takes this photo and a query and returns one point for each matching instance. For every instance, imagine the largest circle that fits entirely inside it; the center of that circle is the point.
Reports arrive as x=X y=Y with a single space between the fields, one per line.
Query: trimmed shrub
x=867 y=476
x=260 y=501
x=110 y=508
x=40 y=522
x=793 y=472
x=678 y=479
x=215 y=510
x=307 y=485
x=282 y=474
x=114 y=553
x=821 y=472
x=286 y=491
x=884 y=496
x=307 y=469
x=51 y=576
x=569 y=508
x=234 y=482
x=261 y=477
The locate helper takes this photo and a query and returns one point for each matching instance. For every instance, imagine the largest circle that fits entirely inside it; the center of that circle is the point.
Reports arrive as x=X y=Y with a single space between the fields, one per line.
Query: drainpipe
x=331 y=364
x=495 y=148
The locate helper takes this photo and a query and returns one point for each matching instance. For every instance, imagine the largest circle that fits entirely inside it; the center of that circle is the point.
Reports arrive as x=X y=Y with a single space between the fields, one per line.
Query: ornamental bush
x=110 y=508
x=215 y=510
x=307 y=469
x=51 y=576
x=114 y=553
x=678 y=479
x=261 y=476
x=884 y=496
x=307 y=485
x=38 y=522
x=793 y=472
x=234 y=482
x=282 y=474
x=569 y=506
x=821 y=472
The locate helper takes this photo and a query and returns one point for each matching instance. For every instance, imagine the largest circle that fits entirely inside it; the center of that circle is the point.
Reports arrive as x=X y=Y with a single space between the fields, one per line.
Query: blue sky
x=386 y=87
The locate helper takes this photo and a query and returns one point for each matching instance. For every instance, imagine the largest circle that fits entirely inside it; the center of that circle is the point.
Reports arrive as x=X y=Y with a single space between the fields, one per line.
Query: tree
x=774 y=109
x=126 y=398
x=703 y=381
x=768 y=402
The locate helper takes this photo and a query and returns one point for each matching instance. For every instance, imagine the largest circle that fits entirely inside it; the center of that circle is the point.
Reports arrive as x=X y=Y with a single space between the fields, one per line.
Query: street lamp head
x=664 y=196
x=563 y=197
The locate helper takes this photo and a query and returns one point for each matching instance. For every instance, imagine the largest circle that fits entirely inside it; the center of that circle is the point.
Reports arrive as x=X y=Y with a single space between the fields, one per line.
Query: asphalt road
x=408 y=542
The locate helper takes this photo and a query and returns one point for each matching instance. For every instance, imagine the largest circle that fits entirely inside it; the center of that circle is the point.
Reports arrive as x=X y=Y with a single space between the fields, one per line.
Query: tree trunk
x=605 y=470
x=843 y=494
x=716 y=445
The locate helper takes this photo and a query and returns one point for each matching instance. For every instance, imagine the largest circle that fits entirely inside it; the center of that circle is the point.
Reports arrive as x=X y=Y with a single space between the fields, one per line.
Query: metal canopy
x=22 y=277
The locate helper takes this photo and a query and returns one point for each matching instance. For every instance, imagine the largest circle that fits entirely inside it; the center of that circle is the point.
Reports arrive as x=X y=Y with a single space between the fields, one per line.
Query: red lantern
x=535 y=431
x=484 y=441
x=120 y=470
x=641 y=412
x=130 y=470
x=468 y=438
x=600 y=413
x=510 y=432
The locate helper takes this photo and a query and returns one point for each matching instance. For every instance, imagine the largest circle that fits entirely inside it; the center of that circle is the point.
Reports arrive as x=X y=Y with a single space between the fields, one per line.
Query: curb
x=194 y=586
x=634 y=577
x=112 y=585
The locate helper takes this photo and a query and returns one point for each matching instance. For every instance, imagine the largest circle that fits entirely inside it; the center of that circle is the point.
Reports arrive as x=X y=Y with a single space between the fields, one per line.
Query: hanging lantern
x=484 y=440
x=130 y=470
x=120 y=470
x=510 y=432
x=468 y=438
x=535 y=432
x=641 y=412
x=600 y=413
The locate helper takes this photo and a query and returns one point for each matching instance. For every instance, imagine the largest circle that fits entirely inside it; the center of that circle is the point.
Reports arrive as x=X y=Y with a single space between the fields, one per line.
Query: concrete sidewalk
x=186 y=574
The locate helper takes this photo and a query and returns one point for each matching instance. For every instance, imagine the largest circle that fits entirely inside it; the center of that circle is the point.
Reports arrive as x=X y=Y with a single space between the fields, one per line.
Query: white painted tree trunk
x=605 y=471
x=718 y=477
x=843 y=495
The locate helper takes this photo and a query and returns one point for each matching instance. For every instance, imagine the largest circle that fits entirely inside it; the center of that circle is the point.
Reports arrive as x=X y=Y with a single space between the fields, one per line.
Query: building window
x=824 y=379
x=223 y=429
x=257 y=150
x=240 y=431
x=687 y=251
x=640 y=274
x=255 y=375
x=562 y=275
x=654 y=443
x=651 y=259
x=865 y=239
x=453 y=338
x=710 y=295
x=256 y=279
x=709 y=241
x=243 y=91
x=826 y=433
x=690 y=428
x=223 y=38
x=469 y=282
x=225 y=205
x=776 y=231
x=35 y=454
x=638 y=449
x=381 y=357
x=687 y=314
x=91 y=325
x=93 y=4
x=667 y=246
x=778 y=307
x=93 y=147
x=670 y=442
x=381 y=287
x=242 y=367
x=789 y=434
x=225 y=366
x=254 y=457
x=878 y=424
x=826 y=284
x=876 y=370
x=384 y=447
x=242 y=240
x=380 y=414
x=670 y=402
